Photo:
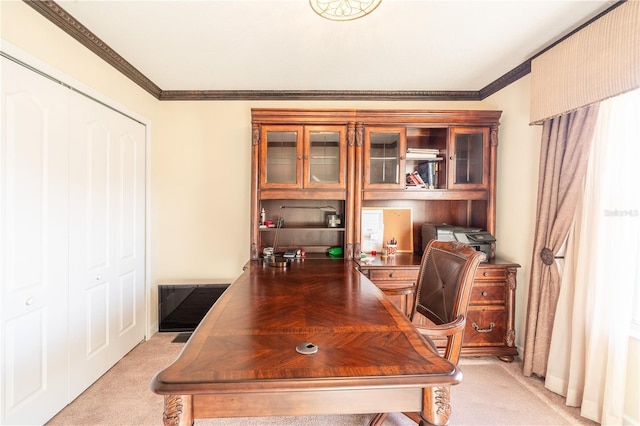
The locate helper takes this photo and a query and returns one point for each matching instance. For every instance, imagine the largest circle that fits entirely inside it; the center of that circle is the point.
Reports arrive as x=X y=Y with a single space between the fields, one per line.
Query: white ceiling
x=445 y=45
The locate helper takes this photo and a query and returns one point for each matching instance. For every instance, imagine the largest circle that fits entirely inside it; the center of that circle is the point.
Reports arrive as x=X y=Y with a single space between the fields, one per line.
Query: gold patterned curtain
x=566 y=141
x=600 y=61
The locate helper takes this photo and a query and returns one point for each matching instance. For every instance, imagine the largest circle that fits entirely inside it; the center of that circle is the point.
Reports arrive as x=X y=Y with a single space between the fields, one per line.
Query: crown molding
x=60 y=17
x=505 y=80
x=334 y=95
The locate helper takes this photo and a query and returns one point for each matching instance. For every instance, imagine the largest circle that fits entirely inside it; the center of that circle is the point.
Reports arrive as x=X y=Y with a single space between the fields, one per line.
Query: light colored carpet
x=491 y=393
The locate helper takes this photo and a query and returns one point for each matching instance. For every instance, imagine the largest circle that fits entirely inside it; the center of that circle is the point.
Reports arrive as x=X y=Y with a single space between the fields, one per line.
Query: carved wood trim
x=442 y=398
x=515 y=74
x=359 y=134
x=351 y=134
x=436 y=405
x=511 y=279
x=511 y=338
x=494 y=135
x=178 y=410
x=255 y=140
x=332 y=95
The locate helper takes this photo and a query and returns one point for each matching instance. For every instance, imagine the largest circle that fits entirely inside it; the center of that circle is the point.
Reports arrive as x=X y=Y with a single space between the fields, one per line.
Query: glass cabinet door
x=324 y=157
x=468 y=155
x=280 y=157
x=383 y=157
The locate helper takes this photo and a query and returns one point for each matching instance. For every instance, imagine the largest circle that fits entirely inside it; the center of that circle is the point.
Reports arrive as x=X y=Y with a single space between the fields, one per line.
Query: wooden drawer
x=488 y=293
x=485 y=326
x=489 y=273
x=376 y=275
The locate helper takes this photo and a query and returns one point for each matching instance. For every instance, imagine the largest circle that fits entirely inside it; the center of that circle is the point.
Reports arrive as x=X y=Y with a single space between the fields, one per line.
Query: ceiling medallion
x=343 y=10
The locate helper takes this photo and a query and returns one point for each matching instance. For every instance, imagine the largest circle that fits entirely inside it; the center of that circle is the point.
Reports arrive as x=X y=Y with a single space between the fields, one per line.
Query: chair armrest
x=449 y=329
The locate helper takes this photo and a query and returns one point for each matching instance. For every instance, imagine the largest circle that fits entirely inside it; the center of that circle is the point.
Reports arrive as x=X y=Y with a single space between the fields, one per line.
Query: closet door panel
x=106 y=239
x=98 y=146
x=95 y=273
x=130 y=231
x=33 y=246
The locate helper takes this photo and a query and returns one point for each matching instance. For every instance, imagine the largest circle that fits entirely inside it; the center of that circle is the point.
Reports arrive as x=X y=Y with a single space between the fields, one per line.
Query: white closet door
x=33 y=246
x=106 y=299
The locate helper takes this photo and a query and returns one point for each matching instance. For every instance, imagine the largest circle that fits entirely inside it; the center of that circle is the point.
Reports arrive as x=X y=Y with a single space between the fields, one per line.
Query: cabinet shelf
x=384 y=158
x=422 y=158
x=303 y=194
x=303 y=228
x=424 y=194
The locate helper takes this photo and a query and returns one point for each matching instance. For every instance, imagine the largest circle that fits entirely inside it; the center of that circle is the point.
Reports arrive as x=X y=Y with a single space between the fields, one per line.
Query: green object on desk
x=335 y=251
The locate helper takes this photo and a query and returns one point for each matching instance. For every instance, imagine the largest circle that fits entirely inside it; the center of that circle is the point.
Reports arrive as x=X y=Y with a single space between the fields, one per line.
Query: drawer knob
x=483 y=330
x=486 y=274
x=485 y=294
x=392 y=275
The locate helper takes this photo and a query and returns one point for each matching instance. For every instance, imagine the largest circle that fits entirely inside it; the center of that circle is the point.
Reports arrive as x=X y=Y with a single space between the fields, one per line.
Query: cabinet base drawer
x=485 y=293
x=490 y=273
x=377 y=275
x=485 y=326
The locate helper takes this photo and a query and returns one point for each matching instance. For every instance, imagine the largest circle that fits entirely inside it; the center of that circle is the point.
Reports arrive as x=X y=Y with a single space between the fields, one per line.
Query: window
x=617 y=166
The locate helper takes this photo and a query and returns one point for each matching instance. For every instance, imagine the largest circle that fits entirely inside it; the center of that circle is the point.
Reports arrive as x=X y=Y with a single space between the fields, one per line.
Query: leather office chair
x=447 y=270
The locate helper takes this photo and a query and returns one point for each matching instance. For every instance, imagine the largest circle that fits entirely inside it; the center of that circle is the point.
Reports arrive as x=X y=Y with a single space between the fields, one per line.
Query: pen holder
x=391 y=249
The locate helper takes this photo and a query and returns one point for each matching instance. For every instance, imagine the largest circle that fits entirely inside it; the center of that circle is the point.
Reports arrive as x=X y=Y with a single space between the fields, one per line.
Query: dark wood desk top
x=412 y=260
x=247 y=342
x=400 y=260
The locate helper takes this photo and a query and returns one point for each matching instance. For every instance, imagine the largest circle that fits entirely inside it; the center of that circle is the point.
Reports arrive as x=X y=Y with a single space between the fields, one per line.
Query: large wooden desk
x=242 y=360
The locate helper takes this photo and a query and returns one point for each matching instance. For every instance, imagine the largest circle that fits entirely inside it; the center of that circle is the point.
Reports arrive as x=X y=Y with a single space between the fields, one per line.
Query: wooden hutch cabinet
x=348 y=161
x=300 y=180
x=297 y=157
x=384 y=158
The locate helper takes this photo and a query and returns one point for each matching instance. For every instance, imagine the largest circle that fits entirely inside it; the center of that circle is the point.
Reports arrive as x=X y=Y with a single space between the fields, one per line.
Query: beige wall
x=518 y=157
x=199 y=166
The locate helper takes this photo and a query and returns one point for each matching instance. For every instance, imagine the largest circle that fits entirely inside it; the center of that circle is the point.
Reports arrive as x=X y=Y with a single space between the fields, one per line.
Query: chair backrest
x=443 y=290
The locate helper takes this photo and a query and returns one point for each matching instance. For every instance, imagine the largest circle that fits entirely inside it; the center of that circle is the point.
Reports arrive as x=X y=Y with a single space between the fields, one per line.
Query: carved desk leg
x=178 y=410
x=436 y=406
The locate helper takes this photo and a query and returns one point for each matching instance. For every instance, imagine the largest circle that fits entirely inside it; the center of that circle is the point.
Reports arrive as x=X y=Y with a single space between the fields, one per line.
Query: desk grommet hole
x=306 y=348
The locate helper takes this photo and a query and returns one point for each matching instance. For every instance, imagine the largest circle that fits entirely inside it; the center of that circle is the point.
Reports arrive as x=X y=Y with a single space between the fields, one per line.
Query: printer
x=477 y=238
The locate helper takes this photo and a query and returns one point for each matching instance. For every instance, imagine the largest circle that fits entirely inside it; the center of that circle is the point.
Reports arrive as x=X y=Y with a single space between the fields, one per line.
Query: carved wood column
x=511 y=301
x=357 y=189
x=351 y=195
x=493 y=161
x=255 y=144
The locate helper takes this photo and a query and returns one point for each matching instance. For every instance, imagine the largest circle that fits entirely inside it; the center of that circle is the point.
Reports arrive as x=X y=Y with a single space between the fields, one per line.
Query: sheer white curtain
x=589 y=344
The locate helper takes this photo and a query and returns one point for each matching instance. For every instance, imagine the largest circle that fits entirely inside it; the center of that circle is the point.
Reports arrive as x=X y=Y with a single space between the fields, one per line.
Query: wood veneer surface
x=247 y=341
